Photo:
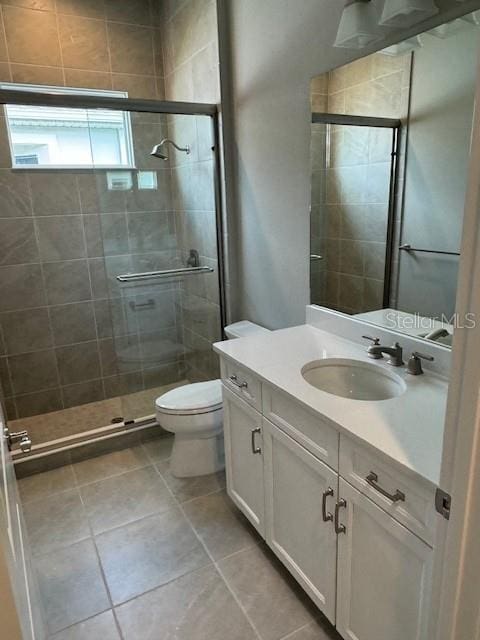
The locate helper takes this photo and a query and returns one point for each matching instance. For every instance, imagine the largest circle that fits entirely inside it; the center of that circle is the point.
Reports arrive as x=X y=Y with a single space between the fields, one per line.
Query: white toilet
x=194 y=413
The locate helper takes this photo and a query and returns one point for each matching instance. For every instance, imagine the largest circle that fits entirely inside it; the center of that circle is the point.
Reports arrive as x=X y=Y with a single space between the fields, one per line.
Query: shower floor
x=125 y=551
x=75 y=420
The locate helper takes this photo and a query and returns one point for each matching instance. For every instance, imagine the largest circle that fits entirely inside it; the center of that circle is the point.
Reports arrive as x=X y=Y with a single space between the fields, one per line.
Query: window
x=56 y=137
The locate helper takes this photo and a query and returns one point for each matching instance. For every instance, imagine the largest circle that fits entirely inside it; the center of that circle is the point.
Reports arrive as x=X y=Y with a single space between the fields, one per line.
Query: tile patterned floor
x=125 y=551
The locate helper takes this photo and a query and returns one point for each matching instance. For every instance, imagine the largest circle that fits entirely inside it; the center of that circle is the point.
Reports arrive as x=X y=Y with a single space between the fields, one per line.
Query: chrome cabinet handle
x=340 y=528
x=234 y=380
x=254 y=432
x=327 y=516
x=372 y=480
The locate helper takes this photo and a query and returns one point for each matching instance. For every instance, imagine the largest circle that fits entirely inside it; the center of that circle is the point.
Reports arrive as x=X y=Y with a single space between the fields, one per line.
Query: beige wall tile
x=136 y=86
x=5 y=74
x=40 y=5
x=88 y=79
x=131 y=49
x=85 y=8
x=34 y=74
x=132 y=11
x=84 y=43
x=32 y=36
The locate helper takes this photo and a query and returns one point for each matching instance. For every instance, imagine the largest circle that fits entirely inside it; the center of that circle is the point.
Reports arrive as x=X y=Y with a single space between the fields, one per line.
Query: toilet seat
x=191 y=399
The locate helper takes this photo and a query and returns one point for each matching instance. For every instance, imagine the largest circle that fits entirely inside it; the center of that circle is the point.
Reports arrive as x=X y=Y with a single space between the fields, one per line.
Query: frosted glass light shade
x=404 y=47
x=404 y=13
x=358 y=26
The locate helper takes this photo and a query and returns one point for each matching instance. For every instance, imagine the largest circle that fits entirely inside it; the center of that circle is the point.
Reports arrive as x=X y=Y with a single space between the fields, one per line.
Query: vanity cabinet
x=384 y=574
x=244 y=458
x=300 y=496
x=363 y=554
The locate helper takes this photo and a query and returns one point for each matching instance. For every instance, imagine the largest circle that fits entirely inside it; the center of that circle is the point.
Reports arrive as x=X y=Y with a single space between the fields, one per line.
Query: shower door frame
x=381 y=123
x=167 y=107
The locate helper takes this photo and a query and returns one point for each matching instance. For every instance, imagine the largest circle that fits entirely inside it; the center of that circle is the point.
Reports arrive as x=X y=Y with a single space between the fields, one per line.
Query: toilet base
x=197 y=456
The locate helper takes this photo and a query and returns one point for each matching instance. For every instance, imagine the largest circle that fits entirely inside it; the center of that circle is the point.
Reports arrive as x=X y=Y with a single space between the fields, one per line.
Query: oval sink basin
x=353 y=379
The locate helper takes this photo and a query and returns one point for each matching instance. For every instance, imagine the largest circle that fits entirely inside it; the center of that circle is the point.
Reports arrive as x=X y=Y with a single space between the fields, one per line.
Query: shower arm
x=167 y=140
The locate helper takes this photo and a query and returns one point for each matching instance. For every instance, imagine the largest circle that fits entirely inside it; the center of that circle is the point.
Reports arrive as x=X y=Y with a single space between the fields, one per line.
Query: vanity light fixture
x=358 y=26
x=407 y=46
x=404 y=13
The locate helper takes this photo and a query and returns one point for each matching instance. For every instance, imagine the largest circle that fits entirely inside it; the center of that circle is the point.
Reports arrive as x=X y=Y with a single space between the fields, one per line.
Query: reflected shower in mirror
x=390 y=139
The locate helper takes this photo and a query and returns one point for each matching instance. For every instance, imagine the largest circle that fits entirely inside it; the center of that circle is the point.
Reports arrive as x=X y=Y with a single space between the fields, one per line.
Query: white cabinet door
x=384 y=574
x=244 y=458
x=298 y=529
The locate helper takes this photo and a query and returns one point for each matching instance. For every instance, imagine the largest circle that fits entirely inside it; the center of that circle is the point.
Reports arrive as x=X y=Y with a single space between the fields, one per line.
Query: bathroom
x=238 y=257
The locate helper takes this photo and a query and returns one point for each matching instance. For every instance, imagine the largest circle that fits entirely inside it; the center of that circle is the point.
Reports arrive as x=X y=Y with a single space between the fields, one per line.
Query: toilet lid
x=200 y=397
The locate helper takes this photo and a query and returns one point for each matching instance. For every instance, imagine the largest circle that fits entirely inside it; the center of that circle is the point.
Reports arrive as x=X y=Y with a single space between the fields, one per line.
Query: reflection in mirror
x=390 y=139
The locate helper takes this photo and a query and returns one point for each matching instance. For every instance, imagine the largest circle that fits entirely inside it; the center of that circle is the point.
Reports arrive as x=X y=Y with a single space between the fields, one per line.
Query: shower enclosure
x=355 y=183
x=111 y=264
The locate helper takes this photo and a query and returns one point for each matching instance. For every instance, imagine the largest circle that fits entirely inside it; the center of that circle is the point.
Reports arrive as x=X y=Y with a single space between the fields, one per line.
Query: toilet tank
x=244 y=329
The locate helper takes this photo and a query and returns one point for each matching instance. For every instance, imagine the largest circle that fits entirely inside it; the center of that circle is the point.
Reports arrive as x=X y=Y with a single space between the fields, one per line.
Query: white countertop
x=408 y=428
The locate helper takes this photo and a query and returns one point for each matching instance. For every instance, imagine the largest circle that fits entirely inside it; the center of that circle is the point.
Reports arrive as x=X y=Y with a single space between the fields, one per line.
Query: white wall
x=276 y=47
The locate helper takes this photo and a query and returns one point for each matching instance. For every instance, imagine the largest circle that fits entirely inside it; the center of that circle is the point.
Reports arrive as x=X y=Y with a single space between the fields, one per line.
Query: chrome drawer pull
x=372 y=480
x=340 y=528
x=255 y=449
x=327 y=517
x=234 y=380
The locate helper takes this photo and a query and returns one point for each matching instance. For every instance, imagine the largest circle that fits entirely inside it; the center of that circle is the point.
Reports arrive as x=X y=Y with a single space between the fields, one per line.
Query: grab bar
x=166 y=273
x=408 y=248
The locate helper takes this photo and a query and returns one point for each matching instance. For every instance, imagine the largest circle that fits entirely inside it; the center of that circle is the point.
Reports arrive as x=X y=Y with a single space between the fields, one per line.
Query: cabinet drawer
x=309 y=430
x=243 y=383
x=411 y=501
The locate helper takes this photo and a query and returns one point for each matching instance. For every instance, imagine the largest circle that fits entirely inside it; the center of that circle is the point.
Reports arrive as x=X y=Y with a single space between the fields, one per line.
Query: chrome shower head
x=157 y=153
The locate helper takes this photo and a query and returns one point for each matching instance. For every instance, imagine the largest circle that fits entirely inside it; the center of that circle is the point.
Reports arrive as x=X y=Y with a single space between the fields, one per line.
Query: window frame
x=35 y=88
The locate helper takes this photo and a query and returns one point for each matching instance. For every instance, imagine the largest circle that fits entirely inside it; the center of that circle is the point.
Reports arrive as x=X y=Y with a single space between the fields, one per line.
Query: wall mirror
x=390 y=139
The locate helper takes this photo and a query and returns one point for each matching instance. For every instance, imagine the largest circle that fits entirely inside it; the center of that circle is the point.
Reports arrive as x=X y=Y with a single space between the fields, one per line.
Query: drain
x=116 y=420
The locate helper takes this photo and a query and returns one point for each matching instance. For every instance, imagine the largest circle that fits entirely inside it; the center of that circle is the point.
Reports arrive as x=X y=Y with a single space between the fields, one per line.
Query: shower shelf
x=166 y=273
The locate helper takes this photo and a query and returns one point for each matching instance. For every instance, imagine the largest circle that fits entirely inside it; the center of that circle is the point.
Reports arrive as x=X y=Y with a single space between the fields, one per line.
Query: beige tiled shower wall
x=189 y=33
x=102 y=44
x=69 y=334
x=350 y=191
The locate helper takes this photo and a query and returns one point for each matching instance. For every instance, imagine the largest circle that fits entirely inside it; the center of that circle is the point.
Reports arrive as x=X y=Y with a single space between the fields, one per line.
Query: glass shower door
x=153 y=228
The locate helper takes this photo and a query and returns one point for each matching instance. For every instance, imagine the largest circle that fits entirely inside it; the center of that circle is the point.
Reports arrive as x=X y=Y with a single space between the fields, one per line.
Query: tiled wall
x=105 y=44
x=350 y=197
x=70 y=334
x=191 y=74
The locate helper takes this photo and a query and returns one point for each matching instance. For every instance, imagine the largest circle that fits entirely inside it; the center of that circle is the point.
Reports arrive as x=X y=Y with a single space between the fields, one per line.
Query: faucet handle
x=374 y=340
x=414 y=365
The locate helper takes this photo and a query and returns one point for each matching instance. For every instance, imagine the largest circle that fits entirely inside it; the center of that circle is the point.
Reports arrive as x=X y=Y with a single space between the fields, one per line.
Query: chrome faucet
x=376 y=351
x=436 y=334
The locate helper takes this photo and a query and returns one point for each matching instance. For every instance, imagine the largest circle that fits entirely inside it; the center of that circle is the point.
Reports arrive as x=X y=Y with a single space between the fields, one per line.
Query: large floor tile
x=57 y=521
x=43 y=485
x=315 y=631
x=159 y=449
x=188 y=488
x=122 y=499
x=101 y=627
x=274 y=604
x=110 y=464
x=149 y=553
x=220 y=525
x=197 y=606
x=71 y=585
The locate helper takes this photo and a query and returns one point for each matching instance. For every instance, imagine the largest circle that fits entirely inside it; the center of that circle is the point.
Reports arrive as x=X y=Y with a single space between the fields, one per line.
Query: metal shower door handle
x=327 y=516
x=254 y=432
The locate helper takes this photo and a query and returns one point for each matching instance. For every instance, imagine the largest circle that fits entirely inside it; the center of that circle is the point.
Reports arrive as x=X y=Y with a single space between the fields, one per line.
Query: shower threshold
x=77 y=426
